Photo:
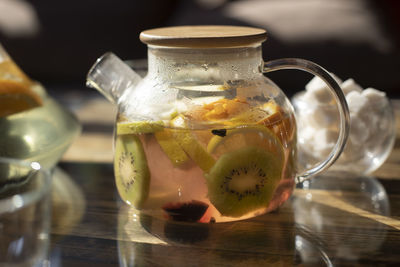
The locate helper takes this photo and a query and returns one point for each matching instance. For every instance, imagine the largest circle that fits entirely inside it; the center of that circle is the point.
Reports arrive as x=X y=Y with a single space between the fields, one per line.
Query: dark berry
x=186 y=211
x=219 y=132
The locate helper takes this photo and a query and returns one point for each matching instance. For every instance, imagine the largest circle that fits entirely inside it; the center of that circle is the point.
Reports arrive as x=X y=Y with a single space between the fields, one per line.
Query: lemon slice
x=256 y=114
x=190 y=144
x=139 y=127
x=246 y=136
x=171 y=147
x=16 y=97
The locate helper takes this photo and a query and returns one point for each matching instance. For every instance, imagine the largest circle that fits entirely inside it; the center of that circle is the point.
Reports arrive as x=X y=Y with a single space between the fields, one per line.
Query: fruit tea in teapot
x=205 y=136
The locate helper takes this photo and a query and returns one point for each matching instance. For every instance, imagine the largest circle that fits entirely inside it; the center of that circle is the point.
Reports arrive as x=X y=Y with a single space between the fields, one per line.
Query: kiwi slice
x=132 y=174
x=245 y=136
x=243 y=181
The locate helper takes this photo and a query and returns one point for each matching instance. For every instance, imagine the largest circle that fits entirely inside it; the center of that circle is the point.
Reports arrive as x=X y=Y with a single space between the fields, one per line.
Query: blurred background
x=56 y=42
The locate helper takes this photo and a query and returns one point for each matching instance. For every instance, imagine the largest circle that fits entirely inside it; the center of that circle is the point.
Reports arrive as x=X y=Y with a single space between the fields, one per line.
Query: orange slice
x=219 y=110
x=282 y=125
x=271 y=116
x=16 y=97
x=10 y=71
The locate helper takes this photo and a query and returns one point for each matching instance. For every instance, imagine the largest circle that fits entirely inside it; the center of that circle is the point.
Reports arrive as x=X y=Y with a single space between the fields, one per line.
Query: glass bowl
x=40 y=134
x=371 y=138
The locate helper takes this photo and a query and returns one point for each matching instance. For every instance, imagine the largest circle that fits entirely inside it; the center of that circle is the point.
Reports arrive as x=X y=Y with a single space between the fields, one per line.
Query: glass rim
x=20 y=200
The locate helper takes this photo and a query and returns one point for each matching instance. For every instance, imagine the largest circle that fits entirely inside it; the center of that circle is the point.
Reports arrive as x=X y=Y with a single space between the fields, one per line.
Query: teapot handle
x=308 y=66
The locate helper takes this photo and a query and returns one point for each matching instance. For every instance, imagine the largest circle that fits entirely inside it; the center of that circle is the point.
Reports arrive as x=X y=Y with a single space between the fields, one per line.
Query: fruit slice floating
x=252 y=115
x=221 y=109
x=171 y=147
x=132 y=174
x=224 y=108
x=270 y=115
x=283 y=126
x=243 y=181
x=16 y=97
x=139 y=127
x=190 y=144
x=191 y=211
x=164 y=137
x=245 y=136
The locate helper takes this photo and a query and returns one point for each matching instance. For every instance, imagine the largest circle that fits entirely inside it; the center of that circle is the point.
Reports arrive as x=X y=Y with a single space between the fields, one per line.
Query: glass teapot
x=205 y=136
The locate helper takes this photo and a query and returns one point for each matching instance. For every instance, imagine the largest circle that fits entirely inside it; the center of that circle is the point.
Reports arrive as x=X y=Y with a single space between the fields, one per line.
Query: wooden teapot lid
x=208 y=36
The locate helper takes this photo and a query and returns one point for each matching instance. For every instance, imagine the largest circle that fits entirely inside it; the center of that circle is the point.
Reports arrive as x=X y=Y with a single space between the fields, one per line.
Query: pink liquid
x=171 y=186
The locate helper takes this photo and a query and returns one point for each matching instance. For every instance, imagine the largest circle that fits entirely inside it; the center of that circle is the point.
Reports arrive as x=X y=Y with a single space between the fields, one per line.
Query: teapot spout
x=111 y=77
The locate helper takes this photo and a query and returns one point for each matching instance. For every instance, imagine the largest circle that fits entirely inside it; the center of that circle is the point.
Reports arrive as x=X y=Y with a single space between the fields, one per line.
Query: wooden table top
x=329 y=221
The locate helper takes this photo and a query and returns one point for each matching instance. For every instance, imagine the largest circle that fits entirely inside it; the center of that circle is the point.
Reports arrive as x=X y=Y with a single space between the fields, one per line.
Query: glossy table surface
x=329 y=221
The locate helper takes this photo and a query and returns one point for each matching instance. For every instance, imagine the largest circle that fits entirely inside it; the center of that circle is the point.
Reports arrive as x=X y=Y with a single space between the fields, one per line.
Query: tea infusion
x=222 y=160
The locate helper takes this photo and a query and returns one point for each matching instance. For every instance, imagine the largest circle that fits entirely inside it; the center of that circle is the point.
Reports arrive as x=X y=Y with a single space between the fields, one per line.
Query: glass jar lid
x=208 y=36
